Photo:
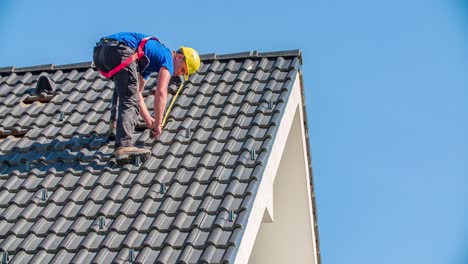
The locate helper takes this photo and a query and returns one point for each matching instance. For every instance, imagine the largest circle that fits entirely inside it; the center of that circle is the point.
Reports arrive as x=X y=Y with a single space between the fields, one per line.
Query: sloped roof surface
x=63 y=198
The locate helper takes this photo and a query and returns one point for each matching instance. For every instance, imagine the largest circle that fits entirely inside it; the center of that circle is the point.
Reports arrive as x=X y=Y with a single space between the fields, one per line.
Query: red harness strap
x=135 y=56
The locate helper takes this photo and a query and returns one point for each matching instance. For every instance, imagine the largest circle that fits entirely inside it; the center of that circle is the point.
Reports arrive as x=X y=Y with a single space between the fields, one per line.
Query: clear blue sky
x=386 y=86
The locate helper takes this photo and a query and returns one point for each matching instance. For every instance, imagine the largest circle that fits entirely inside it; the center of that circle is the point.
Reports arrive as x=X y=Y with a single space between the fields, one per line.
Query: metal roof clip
x=102 y=222
x=27 y=165
x=231 y=215
x=44 y=194
x=137 y=161
x=253 y=154
x=131 y=255
x=5 y=257
x=61 y=115
x=163 y=188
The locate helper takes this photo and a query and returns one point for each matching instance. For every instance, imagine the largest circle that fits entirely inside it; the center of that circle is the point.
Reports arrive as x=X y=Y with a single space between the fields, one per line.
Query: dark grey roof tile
x=148 y=207
x=52 y=210
x=19 y=228
x=60 y=226
x=22 y=257
x=217 y=66
x=137 y=192
x=72 y=75
x=89 y=209
x=8 y=122
x=83 y=256
x=145 y=177
x=189 y=254
x=109 y=208
x=230 y=202
x=133 y=239
x=147 y=255
x=59 y=196
x=8 y=227
x=71 y=209
x=118 y=193
x=6 y=89
x=7 y=144
x=69 y=181
x=62 y=256
x=92 y=240
x=32 y=211
x=232 y=66
x=219 y=237
x=221 y=220
x=30 y=243
x=211 y=255
x=129 y=208
x=25 y=122
x=13 y=183
x=210 y=204
x=166 y=255
x=90 y=74
x=81 y=225
x=65 y=87
x=232 y=106
x=104 y=255
x=11 y=79
x=10 y=243
x=189 y=204
x=49 y=181
x=41 y=226
x=155 y=238
x=31 y=183
x=51 y=242
x=22 y=198
x=18 y=112
x=71 y=242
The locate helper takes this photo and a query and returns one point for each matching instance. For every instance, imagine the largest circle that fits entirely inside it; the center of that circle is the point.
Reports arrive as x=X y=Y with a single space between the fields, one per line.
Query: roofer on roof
x=128 y=59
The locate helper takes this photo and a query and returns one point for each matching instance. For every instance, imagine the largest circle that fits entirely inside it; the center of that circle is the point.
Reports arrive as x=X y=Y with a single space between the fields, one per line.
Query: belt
x=136 y=56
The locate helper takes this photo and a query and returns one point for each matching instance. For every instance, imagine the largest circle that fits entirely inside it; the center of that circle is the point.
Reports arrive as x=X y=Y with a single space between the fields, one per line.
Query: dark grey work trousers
x=107 y=55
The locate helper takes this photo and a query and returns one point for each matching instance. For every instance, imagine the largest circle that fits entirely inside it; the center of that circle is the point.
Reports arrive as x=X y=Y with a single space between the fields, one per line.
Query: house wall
x=289 y=238
x=260 y=242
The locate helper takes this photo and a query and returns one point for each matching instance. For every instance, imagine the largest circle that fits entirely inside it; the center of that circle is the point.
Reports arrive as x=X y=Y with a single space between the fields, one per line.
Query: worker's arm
x=160 y=100
x=141 y=104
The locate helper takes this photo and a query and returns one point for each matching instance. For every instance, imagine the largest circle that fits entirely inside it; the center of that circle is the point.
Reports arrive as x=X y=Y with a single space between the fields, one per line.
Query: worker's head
x=186 y=62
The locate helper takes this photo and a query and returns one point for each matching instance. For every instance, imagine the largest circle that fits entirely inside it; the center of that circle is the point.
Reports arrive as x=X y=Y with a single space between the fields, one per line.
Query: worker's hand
x=156 y=130
x=150 y=123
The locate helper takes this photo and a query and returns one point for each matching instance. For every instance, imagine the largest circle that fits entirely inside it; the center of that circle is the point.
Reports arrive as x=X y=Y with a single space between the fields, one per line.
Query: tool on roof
x=172 y=104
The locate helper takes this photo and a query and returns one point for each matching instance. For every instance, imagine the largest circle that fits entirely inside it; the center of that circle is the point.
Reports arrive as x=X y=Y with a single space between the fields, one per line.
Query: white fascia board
x=264 y=197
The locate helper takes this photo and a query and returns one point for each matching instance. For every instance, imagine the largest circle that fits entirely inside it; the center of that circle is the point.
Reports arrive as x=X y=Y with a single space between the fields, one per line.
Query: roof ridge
x=203 y=57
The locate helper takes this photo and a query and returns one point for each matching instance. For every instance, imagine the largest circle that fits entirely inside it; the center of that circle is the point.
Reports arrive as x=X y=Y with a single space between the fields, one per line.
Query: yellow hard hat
x=192 y=60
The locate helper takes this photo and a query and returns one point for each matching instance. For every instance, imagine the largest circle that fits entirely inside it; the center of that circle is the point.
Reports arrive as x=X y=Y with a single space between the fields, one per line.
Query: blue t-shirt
x=156 y=52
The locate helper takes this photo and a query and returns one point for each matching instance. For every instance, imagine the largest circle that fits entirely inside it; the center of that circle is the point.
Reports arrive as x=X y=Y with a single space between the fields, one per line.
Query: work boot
x=125 y=155
x=112 y=129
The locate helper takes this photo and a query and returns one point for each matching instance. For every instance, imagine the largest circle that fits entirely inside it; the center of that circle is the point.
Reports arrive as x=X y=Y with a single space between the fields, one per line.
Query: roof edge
x=203 y=57
x=309 y=163
x=252 y=54
x=7 y=69
x=70 y=66
x=44 y=67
